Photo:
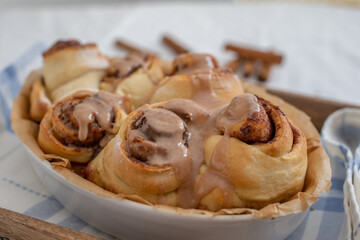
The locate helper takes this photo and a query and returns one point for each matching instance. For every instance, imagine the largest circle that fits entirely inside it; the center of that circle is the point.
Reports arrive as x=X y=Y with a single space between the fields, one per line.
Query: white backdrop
x=320 y=43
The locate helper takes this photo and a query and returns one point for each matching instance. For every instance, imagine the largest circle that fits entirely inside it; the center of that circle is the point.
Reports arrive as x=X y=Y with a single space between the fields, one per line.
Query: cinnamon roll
x=198 y=77
x=177 y=153
x=68 y=67
x=80 y=125
x=195 y=141
x=150 y=155
x=136 y=74
x=259 y=157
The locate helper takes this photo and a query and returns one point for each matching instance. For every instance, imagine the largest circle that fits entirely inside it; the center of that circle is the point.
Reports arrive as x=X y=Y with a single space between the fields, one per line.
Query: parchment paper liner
x=317 y=179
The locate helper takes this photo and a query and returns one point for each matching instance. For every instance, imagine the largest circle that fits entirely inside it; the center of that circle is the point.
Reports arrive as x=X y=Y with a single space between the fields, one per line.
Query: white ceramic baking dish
x=131 y=220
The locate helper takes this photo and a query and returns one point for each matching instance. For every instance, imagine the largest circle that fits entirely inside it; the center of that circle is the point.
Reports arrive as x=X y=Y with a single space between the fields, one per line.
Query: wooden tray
x=317 y=108
x=18 y=226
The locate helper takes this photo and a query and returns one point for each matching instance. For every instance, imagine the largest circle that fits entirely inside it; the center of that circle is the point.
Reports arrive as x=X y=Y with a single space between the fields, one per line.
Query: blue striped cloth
x=341 y=138
x=26 y=194
x=10 y=80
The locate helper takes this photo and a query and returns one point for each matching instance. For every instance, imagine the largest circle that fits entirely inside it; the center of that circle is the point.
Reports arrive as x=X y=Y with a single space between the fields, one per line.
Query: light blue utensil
x=341 y=138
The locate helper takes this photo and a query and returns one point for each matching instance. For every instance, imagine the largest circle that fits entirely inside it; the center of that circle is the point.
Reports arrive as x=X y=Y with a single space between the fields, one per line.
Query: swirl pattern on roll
x=148 y=157
x=78 y=126
x=259 y=156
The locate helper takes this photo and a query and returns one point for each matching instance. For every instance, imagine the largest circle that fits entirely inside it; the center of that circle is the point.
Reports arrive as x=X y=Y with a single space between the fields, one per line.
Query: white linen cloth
x=319 y=43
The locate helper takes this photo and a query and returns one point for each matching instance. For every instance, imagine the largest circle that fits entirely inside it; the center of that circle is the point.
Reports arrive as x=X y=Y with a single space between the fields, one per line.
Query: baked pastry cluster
x=187 y=137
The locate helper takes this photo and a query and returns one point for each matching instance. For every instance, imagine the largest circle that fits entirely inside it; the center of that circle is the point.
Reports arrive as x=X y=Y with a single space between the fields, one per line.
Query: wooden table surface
x=17 y=226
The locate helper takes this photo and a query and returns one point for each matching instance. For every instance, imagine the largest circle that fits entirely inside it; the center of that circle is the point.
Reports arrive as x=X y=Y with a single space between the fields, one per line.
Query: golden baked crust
x=60 y=45
x=66 y=61
x=88 y=81
x=39 y=102
x=198 y=77
x=59 y=131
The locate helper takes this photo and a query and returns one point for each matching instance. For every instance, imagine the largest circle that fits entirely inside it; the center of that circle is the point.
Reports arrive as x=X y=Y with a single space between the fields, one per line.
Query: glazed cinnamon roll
x=243 y=154
x=150 y=155
x=259 y=157
x=198 y=77
x=136 y=74
x=70 y=66
x=80 y=125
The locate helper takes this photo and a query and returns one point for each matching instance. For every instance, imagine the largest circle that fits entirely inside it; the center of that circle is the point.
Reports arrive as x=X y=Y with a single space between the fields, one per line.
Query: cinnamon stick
x=174 y=45
x=127 y=46
x=234 y=64
x=249 y=67
x=254 y=54
x=264 y=72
